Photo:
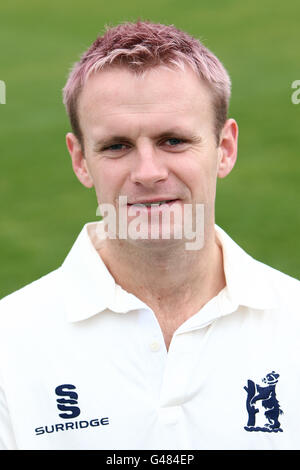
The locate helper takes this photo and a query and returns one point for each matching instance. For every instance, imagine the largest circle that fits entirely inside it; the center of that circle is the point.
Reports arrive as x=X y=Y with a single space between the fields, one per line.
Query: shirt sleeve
x=7 y=439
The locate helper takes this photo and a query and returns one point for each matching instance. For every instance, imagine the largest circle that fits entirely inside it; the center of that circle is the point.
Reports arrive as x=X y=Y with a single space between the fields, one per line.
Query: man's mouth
x=153 y=203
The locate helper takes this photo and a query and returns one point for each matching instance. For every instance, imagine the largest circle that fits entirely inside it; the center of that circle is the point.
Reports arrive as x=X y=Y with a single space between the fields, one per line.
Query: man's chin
x=157 y=244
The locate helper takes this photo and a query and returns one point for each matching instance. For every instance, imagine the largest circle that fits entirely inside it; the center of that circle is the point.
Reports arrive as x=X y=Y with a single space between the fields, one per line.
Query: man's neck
x=173 y=282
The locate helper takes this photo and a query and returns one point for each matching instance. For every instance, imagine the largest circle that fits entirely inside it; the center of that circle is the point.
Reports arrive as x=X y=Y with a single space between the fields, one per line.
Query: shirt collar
x=248 y=281
x=88 y=287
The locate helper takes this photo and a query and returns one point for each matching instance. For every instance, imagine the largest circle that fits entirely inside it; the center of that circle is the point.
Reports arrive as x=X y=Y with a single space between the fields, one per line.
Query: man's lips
x=150 y=206
x=163 y=200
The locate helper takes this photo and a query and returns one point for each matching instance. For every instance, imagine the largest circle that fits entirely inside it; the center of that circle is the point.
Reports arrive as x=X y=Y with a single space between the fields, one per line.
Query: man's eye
x=114 y=147
x=174 y=141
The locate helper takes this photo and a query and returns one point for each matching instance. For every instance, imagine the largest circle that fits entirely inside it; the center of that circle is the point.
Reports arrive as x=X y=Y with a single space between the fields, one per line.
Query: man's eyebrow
x=176 y=132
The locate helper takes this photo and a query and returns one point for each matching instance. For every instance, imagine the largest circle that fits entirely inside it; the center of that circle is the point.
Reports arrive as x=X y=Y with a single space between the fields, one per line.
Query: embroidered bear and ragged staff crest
x=267 y=395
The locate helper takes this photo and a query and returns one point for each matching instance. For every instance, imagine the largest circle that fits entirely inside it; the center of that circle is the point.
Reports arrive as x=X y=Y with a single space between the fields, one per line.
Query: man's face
x=150 y=139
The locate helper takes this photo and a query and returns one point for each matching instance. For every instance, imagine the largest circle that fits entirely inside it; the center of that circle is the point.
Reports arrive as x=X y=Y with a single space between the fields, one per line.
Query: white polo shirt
x=83 y=363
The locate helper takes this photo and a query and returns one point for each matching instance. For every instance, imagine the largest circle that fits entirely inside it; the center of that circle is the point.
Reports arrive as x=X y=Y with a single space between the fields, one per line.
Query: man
x=142 y=340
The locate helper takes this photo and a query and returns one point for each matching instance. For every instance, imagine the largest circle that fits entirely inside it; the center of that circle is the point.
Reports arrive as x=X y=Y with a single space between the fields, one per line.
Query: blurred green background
x=43 y=206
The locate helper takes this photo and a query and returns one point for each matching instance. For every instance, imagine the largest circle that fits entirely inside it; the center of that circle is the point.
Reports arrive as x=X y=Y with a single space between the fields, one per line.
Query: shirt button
x=155 y=346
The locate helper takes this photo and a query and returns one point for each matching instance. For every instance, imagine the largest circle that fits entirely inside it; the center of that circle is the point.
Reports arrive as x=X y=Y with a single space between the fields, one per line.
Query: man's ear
x=227 y=148
x=78 y=160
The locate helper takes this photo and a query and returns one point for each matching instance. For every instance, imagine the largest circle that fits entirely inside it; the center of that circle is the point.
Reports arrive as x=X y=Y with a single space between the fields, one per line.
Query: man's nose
x=149 y=168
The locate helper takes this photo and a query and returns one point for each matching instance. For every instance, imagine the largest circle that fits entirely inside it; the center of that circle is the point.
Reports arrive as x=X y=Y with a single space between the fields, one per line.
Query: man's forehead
x=120 y=87
x=117 y=99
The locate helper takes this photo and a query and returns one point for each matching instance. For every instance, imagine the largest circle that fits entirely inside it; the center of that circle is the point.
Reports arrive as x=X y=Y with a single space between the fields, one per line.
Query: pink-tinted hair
x=142 y=45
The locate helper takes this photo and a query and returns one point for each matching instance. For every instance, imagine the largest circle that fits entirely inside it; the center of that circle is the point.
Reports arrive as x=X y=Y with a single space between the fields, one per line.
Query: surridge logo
x=66 y=404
